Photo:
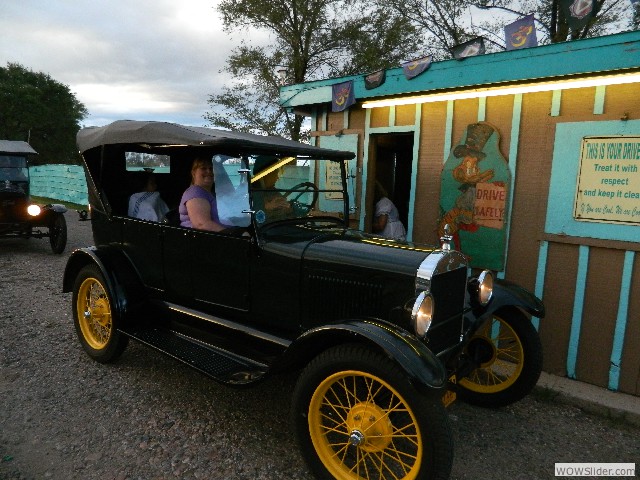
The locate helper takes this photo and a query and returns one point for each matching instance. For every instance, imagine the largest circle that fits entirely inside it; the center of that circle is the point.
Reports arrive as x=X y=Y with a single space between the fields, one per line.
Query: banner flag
x=578 y=12
x=375 y=79
x=469 y=49
x=415 y=67
x=343 y=96
x=521 y=33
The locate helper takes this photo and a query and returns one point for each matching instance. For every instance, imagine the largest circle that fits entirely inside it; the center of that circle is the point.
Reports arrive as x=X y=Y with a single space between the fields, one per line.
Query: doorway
x=390 y=165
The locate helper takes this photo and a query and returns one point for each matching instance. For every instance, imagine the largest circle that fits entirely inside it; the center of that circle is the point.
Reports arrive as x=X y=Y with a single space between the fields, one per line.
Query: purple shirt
x=195 y=191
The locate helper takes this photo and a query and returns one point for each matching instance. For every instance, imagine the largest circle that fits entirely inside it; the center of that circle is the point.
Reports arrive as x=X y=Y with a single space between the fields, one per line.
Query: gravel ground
x=63 y=416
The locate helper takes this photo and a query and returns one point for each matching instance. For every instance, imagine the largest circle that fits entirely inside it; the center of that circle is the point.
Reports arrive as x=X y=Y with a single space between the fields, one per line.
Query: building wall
x=590 y=282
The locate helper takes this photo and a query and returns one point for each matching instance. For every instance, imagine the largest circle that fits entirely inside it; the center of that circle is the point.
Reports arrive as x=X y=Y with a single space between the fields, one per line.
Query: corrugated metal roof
x=608 y=54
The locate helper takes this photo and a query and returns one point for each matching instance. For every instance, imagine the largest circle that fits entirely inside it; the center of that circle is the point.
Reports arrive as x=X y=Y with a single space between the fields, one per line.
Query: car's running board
x=218 y=364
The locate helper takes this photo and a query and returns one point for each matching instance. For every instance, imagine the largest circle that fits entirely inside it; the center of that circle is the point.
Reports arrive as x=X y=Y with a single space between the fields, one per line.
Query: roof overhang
x=549 y=65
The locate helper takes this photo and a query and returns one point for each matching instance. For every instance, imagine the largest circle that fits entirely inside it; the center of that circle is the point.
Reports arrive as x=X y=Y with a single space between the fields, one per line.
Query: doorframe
x=391 y=129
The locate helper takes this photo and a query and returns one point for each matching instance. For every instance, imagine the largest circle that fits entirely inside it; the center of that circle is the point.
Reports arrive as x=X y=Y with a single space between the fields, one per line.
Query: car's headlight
x=422 y=314
x=485 y=287
x=34 y=210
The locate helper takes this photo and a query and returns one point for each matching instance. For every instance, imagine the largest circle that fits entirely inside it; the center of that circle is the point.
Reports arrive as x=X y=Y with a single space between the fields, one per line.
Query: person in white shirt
x=386 y=219
x=148 y=205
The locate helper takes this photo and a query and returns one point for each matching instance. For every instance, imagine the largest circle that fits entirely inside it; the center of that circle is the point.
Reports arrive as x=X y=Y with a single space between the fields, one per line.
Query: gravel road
x=63 y=416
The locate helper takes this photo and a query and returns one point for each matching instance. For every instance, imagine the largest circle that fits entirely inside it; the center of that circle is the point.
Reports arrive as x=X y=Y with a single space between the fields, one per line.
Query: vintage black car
x=19 y=217
x=384 y=333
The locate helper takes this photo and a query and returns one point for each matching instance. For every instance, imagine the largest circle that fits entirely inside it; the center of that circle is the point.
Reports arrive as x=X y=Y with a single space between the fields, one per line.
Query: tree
x=446 y=23
x=38 y=109
x=310 y=39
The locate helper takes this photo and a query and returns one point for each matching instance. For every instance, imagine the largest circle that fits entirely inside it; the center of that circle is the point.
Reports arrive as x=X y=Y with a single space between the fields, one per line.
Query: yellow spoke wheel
x=362 y=428
x=507 y=354
x=358 y=417
x=501 y=358
x=94 y=313
x=94 y=318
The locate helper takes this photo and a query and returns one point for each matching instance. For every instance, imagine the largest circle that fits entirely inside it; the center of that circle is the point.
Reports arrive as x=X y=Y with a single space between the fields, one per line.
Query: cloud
x=142 y=59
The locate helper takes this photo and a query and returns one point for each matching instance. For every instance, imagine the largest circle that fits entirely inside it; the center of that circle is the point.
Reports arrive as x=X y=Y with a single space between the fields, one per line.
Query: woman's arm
x=199 y=211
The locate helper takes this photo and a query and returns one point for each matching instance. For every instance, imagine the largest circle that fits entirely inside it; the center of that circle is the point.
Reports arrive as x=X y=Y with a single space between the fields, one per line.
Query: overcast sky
x=123 y=59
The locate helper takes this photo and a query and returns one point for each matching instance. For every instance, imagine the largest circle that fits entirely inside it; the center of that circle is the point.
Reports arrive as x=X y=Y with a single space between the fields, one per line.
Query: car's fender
x=122 y=281
x=506 y=293
x=422 y=367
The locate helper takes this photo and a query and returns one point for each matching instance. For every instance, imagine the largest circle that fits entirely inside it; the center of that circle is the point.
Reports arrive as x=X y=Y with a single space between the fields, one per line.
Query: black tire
x=508 y=349
x=95 y=321
x=356 y=416
x=58 y=233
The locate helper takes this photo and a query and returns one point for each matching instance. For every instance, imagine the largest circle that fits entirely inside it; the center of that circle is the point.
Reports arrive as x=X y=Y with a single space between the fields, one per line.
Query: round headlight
x=485 y=287
x=34 y=210
x=422 y=314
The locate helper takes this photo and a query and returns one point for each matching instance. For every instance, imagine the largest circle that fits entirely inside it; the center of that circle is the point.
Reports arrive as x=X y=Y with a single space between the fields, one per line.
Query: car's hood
x=352 y=249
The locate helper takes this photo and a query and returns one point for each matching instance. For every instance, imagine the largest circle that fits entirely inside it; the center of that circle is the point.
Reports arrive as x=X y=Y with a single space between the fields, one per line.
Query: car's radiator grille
x=448 y=290
x=335 y=298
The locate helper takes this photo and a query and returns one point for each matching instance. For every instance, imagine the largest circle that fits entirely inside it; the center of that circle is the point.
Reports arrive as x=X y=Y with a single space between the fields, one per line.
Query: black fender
x=122 y=280
x=506 y=293
x=423 y=368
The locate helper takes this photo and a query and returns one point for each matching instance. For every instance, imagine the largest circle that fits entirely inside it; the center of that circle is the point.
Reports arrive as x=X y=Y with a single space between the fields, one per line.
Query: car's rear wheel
x=508 y=354
x=357 y=416
x=58 y=233
x=94 y=319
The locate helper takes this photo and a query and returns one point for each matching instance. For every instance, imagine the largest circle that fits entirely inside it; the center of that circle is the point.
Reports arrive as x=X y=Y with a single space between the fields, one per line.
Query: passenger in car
x=198 y=208
x=273 y=203
x=147 y=204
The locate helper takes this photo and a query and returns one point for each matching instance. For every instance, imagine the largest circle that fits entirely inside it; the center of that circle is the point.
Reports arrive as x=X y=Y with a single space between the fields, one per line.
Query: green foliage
x=38 y=109
x=313 y=39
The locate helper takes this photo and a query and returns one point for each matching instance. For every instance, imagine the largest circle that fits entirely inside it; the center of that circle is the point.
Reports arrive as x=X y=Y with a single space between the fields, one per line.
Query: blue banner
x=415 y=67
x=521 y=33
x=342 y=96
x=578 y=12
x=469 y=49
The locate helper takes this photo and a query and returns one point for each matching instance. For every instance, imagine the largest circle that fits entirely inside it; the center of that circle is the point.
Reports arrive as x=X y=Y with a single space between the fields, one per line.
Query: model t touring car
x=384 y=332
x=19 y=217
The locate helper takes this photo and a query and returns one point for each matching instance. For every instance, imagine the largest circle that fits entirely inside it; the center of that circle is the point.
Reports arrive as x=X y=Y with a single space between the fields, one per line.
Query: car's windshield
x=289 y=187
x=231 y=191
x=13 y=169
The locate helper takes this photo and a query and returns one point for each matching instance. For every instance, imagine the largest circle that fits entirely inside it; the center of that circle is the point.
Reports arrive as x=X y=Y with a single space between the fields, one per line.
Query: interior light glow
x=510 y=90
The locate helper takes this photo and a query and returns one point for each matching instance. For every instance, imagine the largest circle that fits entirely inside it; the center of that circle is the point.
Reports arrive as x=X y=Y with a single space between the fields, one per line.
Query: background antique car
x=19 y=217
x=379 y=328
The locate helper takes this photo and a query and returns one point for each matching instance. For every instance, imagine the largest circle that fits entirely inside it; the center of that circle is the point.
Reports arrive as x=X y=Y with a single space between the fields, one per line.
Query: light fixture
x=509 y=90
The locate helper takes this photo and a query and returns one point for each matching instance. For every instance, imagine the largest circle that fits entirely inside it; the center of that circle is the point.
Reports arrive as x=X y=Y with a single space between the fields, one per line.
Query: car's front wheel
x=58 y=233
x=94 y=319
x=356 y=416
x=507 y=354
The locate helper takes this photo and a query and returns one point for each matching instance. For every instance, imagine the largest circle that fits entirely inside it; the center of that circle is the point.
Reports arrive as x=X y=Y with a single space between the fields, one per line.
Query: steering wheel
x=294 y=193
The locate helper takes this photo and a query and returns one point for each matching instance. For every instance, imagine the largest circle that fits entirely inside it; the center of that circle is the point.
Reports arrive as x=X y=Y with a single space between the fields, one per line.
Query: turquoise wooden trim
x=556 y=100
x=314 y=120
x=516 y=116
x=365 y=163
x=482 y=109
x=598 y=55
x=448 y=132
x=564 y=174
x=414 y=171
x=540 y=275
x=621 y=321
x=598 y=103
x=578 y=305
